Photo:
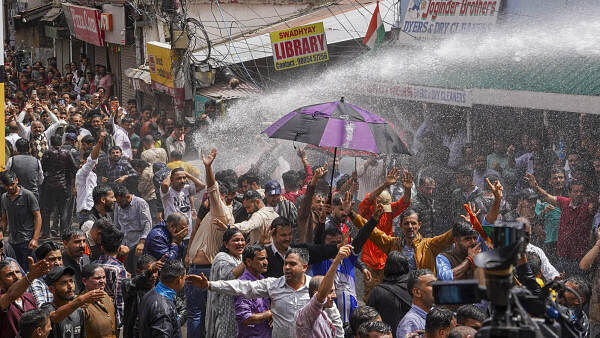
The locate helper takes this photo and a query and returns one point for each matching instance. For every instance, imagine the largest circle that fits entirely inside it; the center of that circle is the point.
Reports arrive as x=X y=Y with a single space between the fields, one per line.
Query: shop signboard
x=84 y=23
x=160 y=61
x=455 y=97
x=113 y=24
x=299 y=46
x=437 y=19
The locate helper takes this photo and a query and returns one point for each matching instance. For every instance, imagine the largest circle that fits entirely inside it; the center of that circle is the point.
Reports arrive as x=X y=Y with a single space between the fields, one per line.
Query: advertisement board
x=436 y=19
x=160 y=61
x=84 y=23
x=113 y=24
x=299 y=46
x=455 y=97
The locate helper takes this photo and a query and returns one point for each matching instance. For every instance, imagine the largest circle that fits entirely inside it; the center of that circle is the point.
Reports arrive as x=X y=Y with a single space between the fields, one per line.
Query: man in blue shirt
x=419 y=286
x=458 y=263
x=166 y=238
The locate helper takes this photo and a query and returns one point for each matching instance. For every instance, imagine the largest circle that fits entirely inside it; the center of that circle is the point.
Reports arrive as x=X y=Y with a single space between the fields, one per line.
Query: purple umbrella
x=339 y=125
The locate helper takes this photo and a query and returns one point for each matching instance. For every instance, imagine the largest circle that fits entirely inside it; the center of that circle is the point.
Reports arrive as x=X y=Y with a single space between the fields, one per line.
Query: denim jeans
x=22 y=251
x=195 y=303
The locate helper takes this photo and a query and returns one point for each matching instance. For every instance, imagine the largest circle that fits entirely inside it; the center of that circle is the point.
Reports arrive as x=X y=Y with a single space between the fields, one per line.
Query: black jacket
x=158 y=317
x=392 y=300
x=59 y=170
x=317 y=253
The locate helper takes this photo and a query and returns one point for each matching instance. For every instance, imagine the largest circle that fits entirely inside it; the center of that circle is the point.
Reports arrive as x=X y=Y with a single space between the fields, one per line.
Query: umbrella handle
x=332 y=173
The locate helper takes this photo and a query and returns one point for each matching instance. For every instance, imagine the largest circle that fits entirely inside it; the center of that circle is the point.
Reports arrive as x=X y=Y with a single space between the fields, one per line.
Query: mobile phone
x=61 y=101
x=457 y=292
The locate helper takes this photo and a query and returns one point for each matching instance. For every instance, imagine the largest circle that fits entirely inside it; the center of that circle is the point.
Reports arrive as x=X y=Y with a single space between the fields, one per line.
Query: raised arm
x=304 y=211
x=64 y=311
x=533 y=183
x=36 y=270
x=392 y=177
x=590 y=257
x=327 y=282
x=497 y=190
x=208 y=160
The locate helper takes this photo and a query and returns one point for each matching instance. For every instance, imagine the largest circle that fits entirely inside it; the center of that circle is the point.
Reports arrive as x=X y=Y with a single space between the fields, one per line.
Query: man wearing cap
x=373 y=257
x=259 y=224
x=66 y=315
x=281 y=206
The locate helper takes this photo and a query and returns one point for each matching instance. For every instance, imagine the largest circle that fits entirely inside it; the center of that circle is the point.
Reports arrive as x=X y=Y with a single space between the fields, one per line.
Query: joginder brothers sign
x=299 y=46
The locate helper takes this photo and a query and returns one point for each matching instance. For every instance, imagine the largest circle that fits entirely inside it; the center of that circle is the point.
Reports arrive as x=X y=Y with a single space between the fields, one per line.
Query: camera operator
x=574 y=303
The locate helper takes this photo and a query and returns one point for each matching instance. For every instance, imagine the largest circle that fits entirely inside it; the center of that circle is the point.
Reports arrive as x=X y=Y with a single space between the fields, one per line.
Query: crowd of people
x=110 y=232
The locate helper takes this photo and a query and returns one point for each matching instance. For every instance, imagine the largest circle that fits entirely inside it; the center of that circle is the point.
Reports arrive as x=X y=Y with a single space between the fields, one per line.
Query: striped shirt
x=115 y=274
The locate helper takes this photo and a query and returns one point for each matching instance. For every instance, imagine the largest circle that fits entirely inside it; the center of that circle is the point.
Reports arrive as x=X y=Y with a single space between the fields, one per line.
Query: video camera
x=516 y=311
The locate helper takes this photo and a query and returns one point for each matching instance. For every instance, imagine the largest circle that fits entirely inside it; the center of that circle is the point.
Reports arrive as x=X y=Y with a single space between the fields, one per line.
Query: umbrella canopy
x=341 y=152
x=340 y=125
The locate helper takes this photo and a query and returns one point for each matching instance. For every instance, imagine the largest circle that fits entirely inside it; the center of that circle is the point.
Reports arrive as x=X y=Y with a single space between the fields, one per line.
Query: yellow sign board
x=160 y=59
x=299 y=46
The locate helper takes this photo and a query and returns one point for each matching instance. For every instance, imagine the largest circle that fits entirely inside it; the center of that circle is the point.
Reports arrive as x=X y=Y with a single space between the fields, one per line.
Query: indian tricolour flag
x=375 y=32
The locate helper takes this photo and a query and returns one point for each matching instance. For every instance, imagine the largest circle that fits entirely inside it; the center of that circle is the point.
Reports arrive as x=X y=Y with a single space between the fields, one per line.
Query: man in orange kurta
x=372 y=256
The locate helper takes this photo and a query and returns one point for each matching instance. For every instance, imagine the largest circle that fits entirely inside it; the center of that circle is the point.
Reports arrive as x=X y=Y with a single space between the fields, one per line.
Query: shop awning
x=52 y=14
x=32 y=14
x=223 y=91
x=139 y=78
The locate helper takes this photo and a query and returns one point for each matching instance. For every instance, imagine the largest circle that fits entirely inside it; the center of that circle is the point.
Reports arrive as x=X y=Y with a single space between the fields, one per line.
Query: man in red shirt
x=372 y=256
x=575 y=226
x=14 y=301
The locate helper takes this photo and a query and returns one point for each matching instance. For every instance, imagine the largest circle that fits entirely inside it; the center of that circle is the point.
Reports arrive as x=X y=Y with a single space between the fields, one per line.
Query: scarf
x=165 y=291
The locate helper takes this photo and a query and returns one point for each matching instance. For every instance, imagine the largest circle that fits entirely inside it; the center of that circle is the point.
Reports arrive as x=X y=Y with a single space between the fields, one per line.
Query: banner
x=85 y=24
x=299 y=46
x=436 y=19
x=455 y=97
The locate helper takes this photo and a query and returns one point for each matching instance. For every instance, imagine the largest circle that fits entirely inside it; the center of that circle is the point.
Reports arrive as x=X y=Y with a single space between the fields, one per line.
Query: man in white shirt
x=288 y=294
x=177 y=195
x=13 y=133
x=86 y=181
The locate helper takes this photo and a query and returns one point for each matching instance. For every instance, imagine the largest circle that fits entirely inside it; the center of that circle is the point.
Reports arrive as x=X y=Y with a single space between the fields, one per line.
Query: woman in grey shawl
x=227 y=264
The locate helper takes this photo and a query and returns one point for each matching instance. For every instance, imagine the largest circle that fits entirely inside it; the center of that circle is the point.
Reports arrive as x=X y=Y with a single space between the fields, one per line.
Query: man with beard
x=21 y=215
x=74 y=255
x=426 y=205
x=458 y=263
x=253 y=315
x=104 y=201
x=65 y=310
x=36 y=135
x=135 y=288
x=311 y=320
x=100 y=317
x=14 y=301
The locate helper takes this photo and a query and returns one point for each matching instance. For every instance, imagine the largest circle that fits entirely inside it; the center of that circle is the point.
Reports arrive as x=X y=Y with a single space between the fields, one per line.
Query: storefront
x=106 y=37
